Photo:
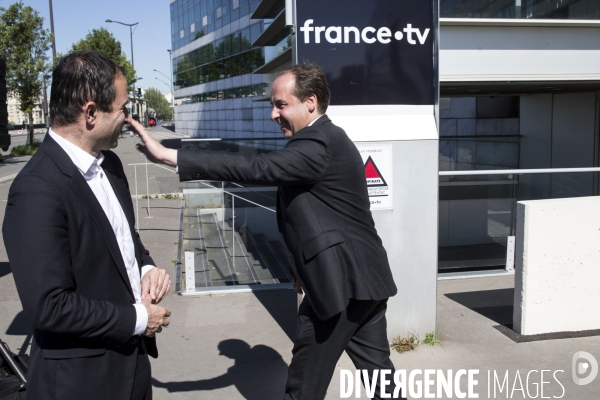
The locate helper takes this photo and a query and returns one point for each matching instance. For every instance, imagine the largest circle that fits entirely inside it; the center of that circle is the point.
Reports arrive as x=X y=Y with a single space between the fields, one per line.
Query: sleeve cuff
x=145 y=269
x=141 y=319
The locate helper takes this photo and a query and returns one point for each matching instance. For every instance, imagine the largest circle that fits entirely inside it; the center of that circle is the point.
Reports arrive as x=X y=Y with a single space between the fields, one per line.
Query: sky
x=74 y=19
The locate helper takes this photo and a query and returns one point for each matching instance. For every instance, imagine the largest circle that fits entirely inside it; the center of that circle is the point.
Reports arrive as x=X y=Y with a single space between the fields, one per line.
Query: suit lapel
x=83 y=191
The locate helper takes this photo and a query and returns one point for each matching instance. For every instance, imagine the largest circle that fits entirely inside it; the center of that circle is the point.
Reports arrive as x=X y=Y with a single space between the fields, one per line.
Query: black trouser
x=142 y=384
x=360 y=330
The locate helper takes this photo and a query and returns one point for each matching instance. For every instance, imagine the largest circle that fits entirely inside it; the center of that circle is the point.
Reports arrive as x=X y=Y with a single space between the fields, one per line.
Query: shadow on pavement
x=496 y=305
x=4 y=269
x=283 y=307
x=259 y=373
x=19 y=327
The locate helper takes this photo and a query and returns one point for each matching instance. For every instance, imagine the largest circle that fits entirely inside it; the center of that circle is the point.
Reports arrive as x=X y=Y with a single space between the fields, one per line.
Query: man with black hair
x=87 y=284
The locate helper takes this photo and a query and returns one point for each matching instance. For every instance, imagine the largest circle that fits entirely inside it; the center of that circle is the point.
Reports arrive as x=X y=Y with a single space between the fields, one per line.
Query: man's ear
x=311 y=102
x=90 y=112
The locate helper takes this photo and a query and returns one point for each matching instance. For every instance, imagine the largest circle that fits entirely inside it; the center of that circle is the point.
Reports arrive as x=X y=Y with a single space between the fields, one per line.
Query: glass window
x=539 y=9
x=254 y=32
x=197 y=14
x=235 y=14
x=245 y=9
x=219 y=23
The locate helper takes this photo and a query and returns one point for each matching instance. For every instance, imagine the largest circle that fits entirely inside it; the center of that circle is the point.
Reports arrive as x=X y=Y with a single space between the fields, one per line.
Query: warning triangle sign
x=373 y=175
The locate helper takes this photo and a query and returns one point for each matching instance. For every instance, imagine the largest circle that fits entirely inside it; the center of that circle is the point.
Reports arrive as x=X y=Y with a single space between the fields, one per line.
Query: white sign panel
x=378 y=171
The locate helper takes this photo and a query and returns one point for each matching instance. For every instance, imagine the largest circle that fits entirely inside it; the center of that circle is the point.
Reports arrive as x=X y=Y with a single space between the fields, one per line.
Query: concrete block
x=556 y=267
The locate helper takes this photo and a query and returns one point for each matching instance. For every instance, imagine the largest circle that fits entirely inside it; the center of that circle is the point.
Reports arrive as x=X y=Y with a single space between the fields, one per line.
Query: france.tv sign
x=372 y=52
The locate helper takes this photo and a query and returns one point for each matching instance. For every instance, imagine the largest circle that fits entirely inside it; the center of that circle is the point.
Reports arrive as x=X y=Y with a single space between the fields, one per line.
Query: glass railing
x=231 y=240
x=477 y=210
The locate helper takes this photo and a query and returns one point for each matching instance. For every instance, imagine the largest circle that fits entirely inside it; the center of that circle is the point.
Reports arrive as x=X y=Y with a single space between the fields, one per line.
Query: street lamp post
x=170 y=87
x=131 y=40
x=172 y=91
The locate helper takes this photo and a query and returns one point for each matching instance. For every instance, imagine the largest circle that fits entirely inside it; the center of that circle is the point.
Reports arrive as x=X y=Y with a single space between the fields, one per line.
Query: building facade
x=519 y=87
x=213 y=65
x=18 y=117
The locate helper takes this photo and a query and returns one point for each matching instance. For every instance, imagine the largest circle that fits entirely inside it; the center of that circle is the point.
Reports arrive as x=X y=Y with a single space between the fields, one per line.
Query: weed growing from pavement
x=402 y=345
x=410 y=342
x=430 y=339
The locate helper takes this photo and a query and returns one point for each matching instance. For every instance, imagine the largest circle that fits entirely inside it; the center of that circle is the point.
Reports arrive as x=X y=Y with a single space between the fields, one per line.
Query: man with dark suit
x=323 y=214
x=87 y=284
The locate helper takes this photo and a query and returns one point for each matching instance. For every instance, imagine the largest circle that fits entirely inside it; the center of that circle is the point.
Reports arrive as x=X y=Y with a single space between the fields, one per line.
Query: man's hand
x=155 y=285
x=155 y=151
x=157 y=318
x=296 y=285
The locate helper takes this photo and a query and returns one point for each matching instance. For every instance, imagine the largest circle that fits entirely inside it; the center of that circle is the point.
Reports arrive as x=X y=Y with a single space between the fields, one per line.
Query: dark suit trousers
x=142 y=384
x=360 y=330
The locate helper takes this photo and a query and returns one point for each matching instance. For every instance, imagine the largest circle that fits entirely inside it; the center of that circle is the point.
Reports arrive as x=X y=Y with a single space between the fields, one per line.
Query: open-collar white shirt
x=91 y=169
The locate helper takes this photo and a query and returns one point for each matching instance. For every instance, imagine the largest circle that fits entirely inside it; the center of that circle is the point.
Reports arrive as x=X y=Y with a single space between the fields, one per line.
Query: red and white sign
x=378 y=172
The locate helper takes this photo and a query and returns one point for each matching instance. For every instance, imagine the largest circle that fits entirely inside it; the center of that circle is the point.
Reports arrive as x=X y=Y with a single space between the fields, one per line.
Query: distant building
x=16 y=116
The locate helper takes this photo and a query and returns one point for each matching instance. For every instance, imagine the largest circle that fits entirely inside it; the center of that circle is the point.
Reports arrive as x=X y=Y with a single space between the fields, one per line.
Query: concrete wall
x=409 y=235
x=492 y=52
x=557 y=266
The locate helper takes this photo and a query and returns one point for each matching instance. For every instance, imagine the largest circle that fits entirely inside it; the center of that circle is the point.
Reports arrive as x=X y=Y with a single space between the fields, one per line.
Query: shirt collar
x=82 y=159
x=314 y=120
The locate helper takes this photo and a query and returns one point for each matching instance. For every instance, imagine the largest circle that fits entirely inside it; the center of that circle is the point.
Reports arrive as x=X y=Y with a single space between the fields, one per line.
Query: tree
x=103 y=41
x=159 y=103
x=24 y=44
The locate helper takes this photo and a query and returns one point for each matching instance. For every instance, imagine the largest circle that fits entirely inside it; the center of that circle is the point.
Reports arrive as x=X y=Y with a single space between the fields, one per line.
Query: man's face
x=109 y=124
x=288 y=111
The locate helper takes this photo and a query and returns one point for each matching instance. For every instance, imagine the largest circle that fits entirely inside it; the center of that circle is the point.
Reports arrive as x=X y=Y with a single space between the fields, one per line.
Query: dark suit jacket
x=323 y=212
x=72 y=280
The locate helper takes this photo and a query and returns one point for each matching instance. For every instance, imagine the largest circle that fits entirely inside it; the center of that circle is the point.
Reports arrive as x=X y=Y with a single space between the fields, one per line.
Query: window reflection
x=539 y=9
x=246 y=91
x=207 y=14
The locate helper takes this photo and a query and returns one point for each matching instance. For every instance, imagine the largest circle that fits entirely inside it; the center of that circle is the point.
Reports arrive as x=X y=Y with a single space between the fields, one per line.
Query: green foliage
x=24 y=44
x=159 y=103
x=430 y=339
x=26 y=149
x=172 y=196
x=103 y=41
x=402 y=345
x=1 y=159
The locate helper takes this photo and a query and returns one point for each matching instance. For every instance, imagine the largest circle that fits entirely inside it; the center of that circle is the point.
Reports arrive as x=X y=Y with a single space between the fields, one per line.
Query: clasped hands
x=155 y=286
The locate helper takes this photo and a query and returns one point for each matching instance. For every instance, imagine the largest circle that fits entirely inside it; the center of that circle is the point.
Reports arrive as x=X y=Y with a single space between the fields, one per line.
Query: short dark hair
x=310 y=80
x=80 y=77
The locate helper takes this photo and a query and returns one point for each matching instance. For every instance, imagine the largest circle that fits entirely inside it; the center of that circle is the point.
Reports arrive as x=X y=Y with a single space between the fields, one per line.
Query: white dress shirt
x=91 y=169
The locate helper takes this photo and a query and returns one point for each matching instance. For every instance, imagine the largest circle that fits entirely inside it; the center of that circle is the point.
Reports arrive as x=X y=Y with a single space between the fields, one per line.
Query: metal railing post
x=137 y=207
x=190 y=272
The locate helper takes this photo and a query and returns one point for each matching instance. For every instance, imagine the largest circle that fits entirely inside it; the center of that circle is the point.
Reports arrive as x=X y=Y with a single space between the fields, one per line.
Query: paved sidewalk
x=238 y=346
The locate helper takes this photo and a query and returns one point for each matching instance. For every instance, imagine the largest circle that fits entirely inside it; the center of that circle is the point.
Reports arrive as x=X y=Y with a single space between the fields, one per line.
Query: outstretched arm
x=155 y=151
